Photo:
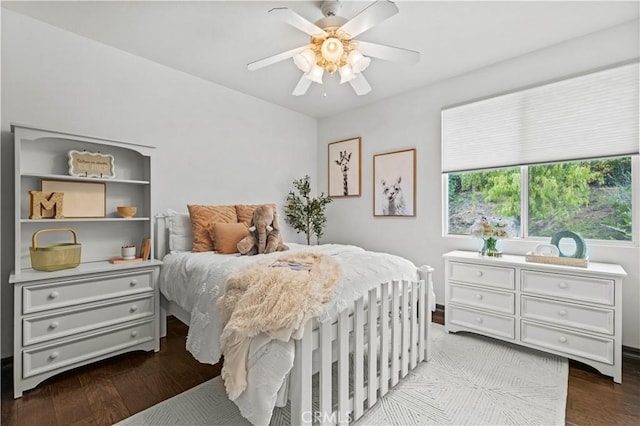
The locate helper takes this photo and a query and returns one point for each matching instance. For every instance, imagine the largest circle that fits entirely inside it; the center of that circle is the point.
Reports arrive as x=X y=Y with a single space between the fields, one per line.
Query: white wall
x=413 y=120
x=214 y=145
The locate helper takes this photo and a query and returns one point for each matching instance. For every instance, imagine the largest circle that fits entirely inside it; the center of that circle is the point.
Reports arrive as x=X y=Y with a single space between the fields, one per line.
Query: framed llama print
x=344 y=168
x=394 y=183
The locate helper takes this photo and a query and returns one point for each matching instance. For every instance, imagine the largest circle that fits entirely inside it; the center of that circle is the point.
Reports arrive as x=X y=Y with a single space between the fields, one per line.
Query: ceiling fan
x=333 y=46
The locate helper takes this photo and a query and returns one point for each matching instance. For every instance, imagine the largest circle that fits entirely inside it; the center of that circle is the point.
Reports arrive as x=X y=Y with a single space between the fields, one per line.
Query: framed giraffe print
x=394 y=183
x=345 y=168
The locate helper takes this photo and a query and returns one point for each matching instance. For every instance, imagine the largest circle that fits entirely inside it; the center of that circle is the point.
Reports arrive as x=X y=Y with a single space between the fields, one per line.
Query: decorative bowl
x=126 y=211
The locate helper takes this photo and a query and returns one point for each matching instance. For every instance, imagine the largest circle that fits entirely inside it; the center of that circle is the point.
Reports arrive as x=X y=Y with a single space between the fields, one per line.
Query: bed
x=355 y=363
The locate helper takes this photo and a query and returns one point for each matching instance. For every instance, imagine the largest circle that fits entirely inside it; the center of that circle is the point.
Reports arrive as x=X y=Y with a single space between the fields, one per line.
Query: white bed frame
x=398 y=340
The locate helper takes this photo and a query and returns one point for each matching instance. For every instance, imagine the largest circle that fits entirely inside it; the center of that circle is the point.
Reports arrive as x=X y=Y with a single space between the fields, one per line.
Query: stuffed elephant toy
x=264 y=233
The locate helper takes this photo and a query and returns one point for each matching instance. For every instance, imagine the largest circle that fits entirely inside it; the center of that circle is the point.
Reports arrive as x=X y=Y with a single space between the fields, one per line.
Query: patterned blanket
x=272 y=297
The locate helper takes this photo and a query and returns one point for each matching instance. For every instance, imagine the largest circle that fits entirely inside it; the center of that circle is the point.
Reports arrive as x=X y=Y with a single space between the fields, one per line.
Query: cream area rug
x=470 y=380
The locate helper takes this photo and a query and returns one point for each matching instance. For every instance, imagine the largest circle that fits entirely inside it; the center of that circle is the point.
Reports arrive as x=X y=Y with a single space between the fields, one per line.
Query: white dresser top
x=594 y=268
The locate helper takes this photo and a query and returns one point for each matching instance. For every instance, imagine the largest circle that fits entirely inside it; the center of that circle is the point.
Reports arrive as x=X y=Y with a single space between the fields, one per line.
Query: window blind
x=590 y=116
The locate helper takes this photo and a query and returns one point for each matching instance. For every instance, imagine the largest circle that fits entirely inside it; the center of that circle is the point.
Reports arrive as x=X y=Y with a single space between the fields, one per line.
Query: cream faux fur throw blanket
x=275 y=297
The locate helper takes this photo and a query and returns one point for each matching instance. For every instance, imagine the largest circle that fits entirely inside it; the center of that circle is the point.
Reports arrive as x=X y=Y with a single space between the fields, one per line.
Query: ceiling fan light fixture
x=346 y=74
x=305 y=60
x=315 y=74
x=334 y=45
x=358 y=61
x=332 y=49
x=330 y=67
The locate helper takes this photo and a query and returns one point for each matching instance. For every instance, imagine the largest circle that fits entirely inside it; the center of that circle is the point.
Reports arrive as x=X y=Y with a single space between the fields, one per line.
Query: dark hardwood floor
x=109 y=391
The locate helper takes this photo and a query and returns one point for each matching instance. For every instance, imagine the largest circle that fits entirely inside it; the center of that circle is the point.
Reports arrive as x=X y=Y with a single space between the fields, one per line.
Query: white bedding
x=194 y=281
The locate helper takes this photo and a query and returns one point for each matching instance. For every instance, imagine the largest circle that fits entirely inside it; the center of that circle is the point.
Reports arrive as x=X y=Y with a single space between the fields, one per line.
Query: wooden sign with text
x=91 y=164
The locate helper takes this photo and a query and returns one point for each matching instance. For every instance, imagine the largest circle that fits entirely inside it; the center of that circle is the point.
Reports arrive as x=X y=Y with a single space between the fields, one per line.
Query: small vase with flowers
x=490 y=230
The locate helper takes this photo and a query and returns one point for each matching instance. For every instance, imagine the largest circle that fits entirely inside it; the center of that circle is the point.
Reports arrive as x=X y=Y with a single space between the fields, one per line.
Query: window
x=484 y=193
x=562 y=155
x=592 y=197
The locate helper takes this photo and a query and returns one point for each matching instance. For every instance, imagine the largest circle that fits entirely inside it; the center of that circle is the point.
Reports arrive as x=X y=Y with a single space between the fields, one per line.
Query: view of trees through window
x=590 y=197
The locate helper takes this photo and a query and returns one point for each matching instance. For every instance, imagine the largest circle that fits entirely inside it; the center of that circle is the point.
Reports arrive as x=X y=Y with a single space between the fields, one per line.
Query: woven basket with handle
x=55 y=256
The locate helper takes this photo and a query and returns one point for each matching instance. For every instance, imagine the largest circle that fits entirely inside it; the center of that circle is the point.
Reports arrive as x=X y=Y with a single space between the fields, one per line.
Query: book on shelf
x=145 y=249
x=122 y=260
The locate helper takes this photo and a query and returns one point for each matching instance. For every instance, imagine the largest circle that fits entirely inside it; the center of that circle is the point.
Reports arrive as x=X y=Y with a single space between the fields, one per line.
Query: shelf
x=43 y=155
x=86 y=219
x=27 y=275
x=84 y=179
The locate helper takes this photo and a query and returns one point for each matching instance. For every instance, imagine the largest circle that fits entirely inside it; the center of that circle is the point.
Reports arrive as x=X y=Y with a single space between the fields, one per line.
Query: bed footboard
x=389 y=336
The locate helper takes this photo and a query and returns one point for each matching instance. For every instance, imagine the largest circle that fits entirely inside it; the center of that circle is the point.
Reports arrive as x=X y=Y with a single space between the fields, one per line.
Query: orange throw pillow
x=245 y=212
x=202 y=219
x=227 y=236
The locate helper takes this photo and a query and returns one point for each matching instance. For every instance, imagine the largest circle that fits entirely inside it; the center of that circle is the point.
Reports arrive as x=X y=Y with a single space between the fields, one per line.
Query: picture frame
x=81 y=199
x=394 y=183
x=345 y=168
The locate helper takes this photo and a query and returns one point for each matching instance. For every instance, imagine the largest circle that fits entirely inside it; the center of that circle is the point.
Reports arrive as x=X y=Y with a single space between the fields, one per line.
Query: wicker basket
x=56 y=256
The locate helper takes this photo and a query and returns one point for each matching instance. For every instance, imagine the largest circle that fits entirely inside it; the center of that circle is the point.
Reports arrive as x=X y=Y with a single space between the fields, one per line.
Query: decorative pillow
x=245 y=212
x=180 y=233
x=227 y=236
x=203 y=217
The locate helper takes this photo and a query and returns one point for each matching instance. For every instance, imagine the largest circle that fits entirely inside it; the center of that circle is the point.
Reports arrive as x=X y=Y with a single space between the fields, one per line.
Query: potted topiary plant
x=303 y=213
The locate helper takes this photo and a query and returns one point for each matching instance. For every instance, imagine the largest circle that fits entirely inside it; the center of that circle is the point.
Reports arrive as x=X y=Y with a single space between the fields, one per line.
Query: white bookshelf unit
x=72 y=317
x=566 y=310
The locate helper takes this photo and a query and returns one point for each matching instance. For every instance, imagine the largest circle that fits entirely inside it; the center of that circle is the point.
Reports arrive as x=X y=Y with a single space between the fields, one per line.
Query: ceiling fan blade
x=369 y=17
x=292 y=18
x=270 y=60
x=302 y=86
x=360 y=85
x=388 y=53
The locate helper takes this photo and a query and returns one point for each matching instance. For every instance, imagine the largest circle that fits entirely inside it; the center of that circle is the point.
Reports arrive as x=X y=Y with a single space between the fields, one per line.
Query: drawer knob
x=563 y=339
x=134 y=333
x=562 y=284
x=479 y=320
x=133 y=283
x=479 y=296
x=479 y=273
x=134 y=308
x=54 y=295
x=562 y=313
x=54 y=355
x=54 y=325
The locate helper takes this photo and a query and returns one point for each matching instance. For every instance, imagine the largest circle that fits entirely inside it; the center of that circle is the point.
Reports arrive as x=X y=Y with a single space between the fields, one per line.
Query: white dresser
x=72 y=317
x=570 y=311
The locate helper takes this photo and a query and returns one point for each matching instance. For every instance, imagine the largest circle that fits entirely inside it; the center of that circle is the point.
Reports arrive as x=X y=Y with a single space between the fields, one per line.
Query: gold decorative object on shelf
x=46 y=205
x=126 y=211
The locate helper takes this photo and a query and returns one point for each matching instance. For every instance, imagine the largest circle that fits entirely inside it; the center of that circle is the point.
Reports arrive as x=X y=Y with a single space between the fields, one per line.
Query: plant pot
x=128 y=252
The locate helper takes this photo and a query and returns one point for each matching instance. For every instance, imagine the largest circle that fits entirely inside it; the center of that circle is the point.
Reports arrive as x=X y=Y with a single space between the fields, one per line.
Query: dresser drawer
x=48 y=327
x=582 y=345
x=481 y=321
x=490 y=276
x=41 y=297
x=571 y=287
x=482 y=298
x=50 y=357
x=586 y=318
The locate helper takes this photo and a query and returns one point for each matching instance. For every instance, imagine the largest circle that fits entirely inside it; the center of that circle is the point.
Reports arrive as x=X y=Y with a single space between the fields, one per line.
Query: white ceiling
x=215 y=40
